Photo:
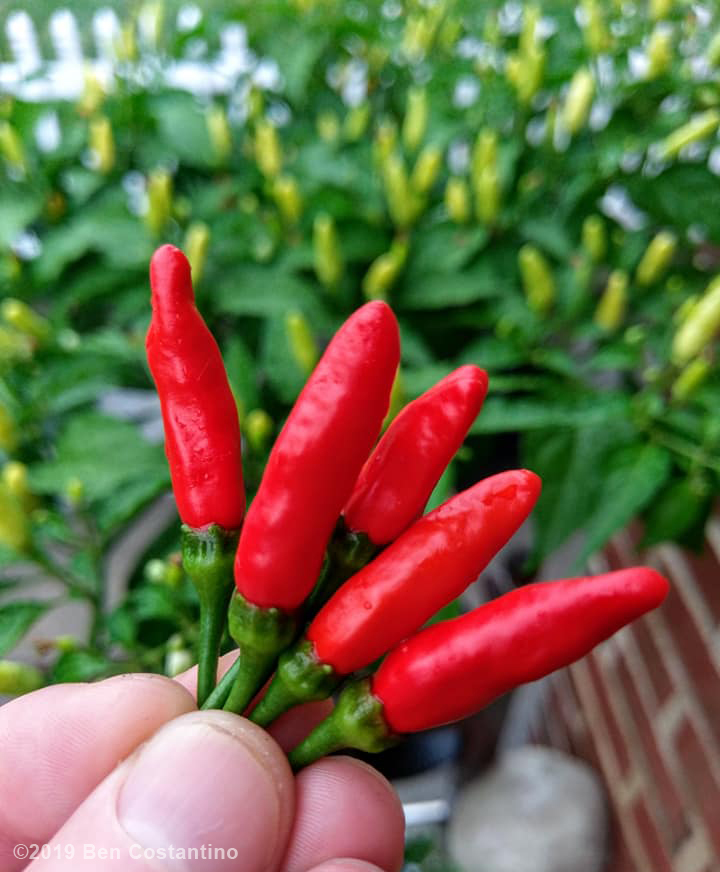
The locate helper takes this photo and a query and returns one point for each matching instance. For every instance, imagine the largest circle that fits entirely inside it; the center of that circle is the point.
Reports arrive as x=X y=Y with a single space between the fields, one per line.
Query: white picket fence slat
x=29 y=76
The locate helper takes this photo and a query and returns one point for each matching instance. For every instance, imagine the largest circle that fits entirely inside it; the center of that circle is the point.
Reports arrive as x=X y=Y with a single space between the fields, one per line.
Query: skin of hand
x=129 y=767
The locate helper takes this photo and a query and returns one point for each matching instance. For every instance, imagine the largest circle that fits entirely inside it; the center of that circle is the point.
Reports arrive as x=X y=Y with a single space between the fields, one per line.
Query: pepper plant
x=530 y=186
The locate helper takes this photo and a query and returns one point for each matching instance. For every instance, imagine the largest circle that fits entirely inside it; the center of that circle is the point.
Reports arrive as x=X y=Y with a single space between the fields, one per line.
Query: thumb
x=209 y=791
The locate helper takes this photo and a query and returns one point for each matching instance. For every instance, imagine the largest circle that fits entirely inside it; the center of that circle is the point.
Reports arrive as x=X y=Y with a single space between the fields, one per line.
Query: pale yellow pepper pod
x=302 y=342
x=595 y=32
x=327 y=254
x=258 y=427
x=159 y=201
x=594 y=238
x=656 y=258
x=610 y=312
x=25 y=320
x=426 y=170
x=416 y=119
x=487 y=196
x=11 y=148
x=288 y=199
x=457 y=200
x=19 y=678
x=14 y=525
x=537 y=279
x=268 y=152
x=102 y=144
x=659 y=52
x=219 y=133
x=690 y=379
x=384 y=271
x=578 y=101
x=698 y=128
x=700 y=327
x=197 y=242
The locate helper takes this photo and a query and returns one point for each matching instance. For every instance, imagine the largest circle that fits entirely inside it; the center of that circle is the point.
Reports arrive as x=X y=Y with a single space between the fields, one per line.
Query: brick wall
x=644 y=709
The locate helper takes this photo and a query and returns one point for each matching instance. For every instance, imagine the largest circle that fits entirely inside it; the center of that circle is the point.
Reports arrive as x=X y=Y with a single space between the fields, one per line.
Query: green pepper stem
x=217 y=699
x=300 y=677
x=357 y=721
x=212 y=625
x=208 y=556
x=326 y=738
x=261 y=634
x=254 y=668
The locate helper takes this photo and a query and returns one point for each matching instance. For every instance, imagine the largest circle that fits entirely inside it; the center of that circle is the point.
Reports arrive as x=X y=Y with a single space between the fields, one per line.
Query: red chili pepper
x=310 y=473
x=395 y=483
x=426 y=568
x=453 y=669
x=202 y=443
x=202 y=432
x=397 y=480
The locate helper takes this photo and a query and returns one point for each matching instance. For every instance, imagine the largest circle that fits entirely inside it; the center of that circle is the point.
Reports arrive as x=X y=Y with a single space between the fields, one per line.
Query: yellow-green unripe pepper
x=327 y=254
x=537 y=279
x=416 y=118
x=578 y=101
x=594 y=238
x=457 y=200
x=656 y=258
x=690 y=379
x=610 y=312
x=426 y=170
x=697 y=129
x=700 y=326
x=302 y=342
x=197 y=242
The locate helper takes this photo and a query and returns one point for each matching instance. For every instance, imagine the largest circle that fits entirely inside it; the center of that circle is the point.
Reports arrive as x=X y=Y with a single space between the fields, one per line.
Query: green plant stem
x=212 y=626
x=218 y=698
x=685 y=449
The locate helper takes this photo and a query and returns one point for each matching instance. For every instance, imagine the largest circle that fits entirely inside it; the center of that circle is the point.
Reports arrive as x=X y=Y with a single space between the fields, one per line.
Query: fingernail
x=199 y=793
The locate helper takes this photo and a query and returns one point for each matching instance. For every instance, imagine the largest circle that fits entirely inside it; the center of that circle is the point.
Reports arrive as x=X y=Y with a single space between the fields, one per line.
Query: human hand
x=129 y=766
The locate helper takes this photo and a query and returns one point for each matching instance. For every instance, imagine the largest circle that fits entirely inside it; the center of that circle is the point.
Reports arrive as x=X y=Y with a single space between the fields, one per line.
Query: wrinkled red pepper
x=426 y=568
x=453 y=669
x=310 y=473
x=202 y=443
x=202 y=431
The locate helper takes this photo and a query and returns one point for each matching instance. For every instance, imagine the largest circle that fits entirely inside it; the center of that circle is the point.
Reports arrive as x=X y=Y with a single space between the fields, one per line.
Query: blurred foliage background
x=533 y=188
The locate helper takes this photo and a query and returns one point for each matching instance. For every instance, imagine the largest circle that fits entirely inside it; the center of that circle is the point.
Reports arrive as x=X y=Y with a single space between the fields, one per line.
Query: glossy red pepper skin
x=426 y=568
x=316 y=460
x=397 y=480
x=455 y=668
x=202 y=432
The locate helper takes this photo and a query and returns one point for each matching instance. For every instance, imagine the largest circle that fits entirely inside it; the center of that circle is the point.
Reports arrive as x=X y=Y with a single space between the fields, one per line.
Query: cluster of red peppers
x=335 y=566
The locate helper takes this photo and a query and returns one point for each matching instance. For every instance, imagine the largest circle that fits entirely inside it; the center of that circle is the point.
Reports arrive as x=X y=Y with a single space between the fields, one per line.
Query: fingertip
x=345 y=808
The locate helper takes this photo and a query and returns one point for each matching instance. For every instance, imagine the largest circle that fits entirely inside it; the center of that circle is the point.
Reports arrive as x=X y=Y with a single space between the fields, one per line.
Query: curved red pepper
x=455 y=668
x=316 y=460
x=202 y=432
x=422 y=571
x=426 y=568
x=397 y=480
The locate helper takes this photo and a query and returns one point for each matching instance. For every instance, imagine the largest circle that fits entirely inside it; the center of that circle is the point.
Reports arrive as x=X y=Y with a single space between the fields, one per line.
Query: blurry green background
x=533 y=188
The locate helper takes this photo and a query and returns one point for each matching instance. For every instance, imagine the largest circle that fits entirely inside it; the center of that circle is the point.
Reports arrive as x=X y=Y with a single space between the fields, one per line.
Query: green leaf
x=15 y=620
x=676 y=510
x=440 y=290
x=502 y=414
x=549 y=235
x=570 y=464
x=631 y=479
x=445 y=247
x=259 y=291
x=110 y=458
x=17 y=212
x=81 y=666
x=491 y=353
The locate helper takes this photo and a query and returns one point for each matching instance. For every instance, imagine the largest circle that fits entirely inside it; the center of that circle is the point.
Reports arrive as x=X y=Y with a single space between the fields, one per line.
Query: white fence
x=30 y=76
